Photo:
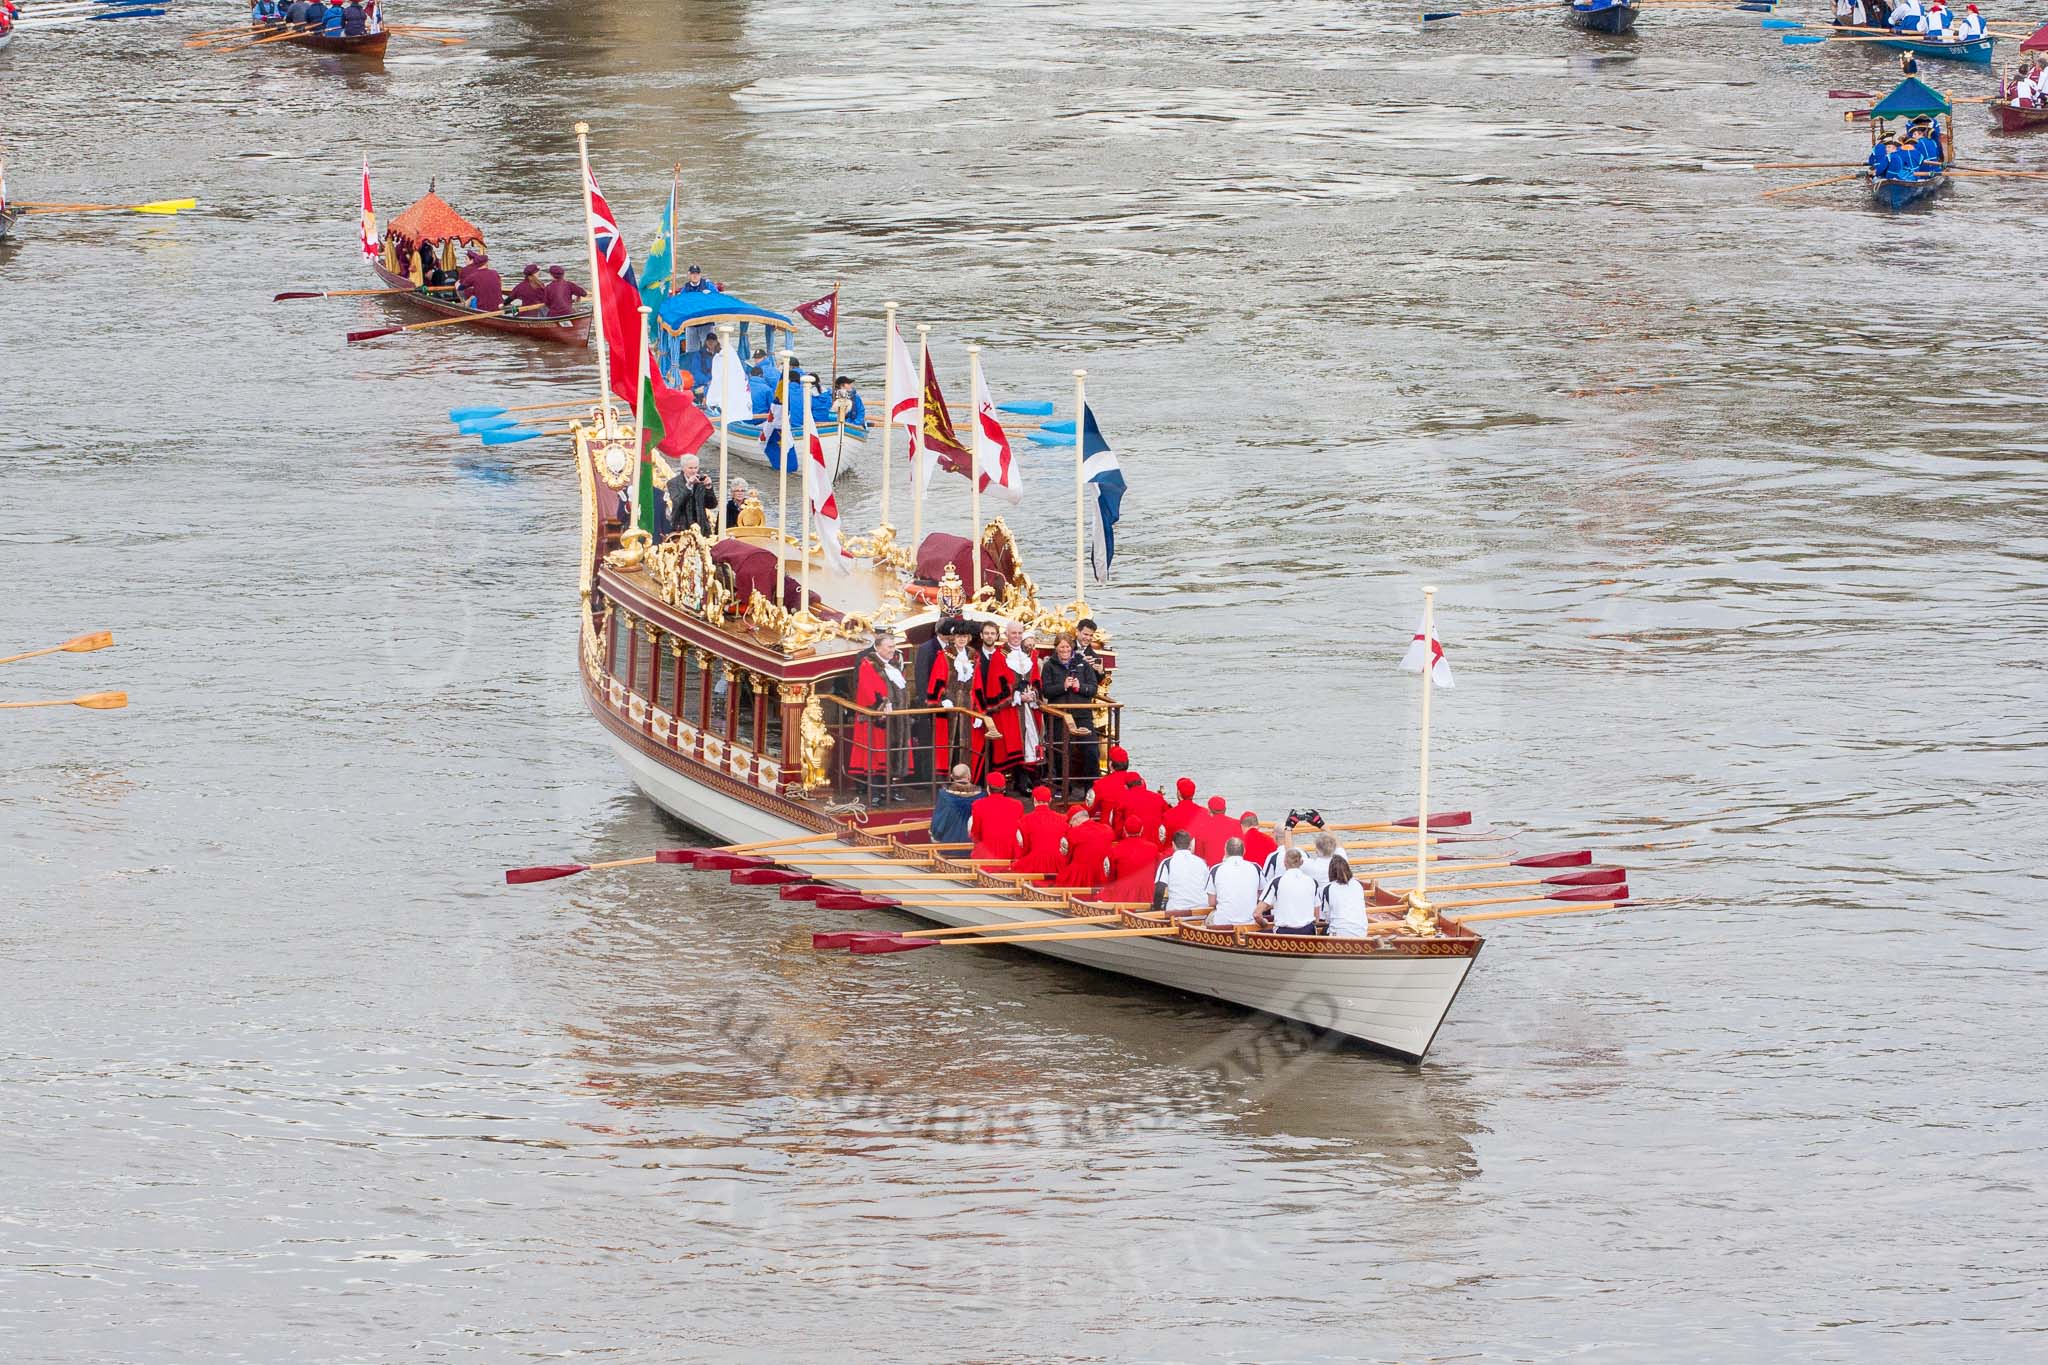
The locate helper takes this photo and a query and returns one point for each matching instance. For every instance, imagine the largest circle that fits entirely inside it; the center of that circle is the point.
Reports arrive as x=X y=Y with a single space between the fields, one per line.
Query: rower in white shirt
x=1907 y=15
x=1970 y=26
x=1233 y=889
x=1292 y=900
x=1344 y=911
x=1182 y=882
x=1937 y=20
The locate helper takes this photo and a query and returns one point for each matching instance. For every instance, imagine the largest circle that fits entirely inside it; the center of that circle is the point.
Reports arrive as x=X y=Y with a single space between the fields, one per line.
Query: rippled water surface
x=1734 y=503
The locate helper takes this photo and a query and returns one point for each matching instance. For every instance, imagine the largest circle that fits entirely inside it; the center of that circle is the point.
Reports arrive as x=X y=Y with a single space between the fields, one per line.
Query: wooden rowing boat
x=2013 y=119
x=362 y=45
x=1976 y=51
x=1911 y=99
x=1604 y=16
x=8 y=218
x=432 y=224
x=1893 y=195
x=736 y=715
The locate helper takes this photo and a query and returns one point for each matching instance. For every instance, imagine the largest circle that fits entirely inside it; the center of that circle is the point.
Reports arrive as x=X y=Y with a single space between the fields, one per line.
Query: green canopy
x=1910 y=98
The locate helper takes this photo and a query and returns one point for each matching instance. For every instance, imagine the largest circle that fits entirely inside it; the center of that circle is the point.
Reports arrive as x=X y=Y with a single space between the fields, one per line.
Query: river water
x=1735 y=508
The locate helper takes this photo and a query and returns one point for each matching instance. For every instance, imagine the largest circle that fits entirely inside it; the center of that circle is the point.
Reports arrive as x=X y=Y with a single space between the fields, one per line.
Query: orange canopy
x=433 y=222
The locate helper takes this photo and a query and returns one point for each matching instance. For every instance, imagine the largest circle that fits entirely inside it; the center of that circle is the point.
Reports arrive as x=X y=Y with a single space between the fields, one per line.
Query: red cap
x=1041 y=793
x=1116 y=751
x=996 y=782
x=1186 y=786
x=1250 y=817
x=1218 y=804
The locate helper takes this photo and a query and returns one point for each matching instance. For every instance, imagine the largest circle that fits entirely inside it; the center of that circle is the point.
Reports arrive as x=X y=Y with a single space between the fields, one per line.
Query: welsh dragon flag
x=651 y=432
x=684 y=428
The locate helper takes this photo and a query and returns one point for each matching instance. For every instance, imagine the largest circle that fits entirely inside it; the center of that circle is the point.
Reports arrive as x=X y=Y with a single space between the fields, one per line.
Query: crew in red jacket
x=996 y=822
x=1088 y=844
x=1181 y=815
x=1133 y=865
x=1144 y=813
x=1044 y=829
x=1258 y=845
x=1212 y=829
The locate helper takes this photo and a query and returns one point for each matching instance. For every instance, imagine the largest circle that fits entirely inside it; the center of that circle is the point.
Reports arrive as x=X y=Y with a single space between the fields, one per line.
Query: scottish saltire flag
x=660 y=256
x=1105 y=480
x=1431 y=649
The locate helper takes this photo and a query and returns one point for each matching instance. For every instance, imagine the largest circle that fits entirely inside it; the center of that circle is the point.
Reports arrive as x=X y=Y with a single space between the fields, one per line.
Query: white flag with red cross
x=1431 y=649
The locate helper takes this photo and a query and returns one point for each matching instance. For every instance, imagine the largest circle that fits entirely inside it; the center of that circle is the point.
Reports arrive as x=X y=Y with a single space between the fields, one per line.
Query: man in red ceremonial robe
x=877 y=751
x=997 y=748
x=1024 y=701
x=1043 y=831
x=1144 y=812
x=950 y=683
x=1212 y=829
x=1088 y=844
x=1181 y=815
x=1133 y=866
x=1258 y=845
x=995 y=822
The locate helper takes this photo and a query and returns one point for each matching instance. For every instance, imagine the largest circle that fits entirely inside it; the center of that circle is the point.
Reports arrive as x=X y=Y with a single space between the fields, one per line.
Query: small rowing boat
x=432 y=227
x=2013 y=118
x=1911 y=99
x=341 y=44
x=1976 y=51
x=1604 y=16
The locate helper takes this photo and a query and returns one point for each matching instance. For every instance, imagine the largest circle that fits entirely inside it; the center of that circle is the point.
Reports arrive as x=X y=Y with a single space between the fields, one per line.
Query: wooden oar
x=1449 y=819
x=1578 y=857
x=846 y=938
x=1592 y=876
x=297 y=31
x=164 y=206
x=77 y=644
x=1496 y=9
x=94 y=701
x=1540 y=910
x=897 y=944
x=438 y=322
x=1616 y=892
x=2008 y=175
x=358 y=293
x=1805 y=166
x=519 y=876
x=1813 y=184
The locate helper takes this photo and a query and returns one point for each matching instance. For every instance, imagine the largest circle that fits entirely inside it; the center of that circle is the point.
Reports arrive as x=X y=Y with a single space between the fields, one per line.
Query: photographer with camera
x=692 y=498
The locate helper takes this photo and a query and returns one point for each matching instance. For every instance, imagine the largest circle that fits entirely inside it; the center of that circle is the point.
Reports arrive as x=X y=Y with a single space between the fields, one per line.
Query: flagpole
x=604 y=368
x=974 y=461
x=640 y=427
x=924 y=344
x=782 y=480
x=1422 y=783
x=830 y=386
x=1080 y=483
x=725 y=344
x=803 y=540
x=888 y=398
x=833 y=378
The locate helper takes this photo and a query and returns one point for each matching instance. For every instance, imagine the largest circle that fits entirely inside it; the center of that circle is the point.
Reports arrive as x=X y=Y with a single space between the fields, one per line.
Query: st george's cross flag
x=685 y=428
x=1000 y=470
x=818 y=488
x=903 y=384
x=369 y=219
x=1104 y=502
x=822 y=312
x=1433 y=650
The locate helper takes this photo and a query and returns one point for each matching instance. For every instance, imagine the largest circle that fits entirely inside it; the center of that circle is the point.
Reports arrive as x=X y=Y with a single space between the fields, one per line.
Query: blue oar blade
x=1782 y=23
x=466 y=414
x=1802 y=39
x=1065 y=424
x=481 y=424
x=508 y=436
x=1042 y=438
x=1442 y=14
x=129 y=14
x=1026 y=409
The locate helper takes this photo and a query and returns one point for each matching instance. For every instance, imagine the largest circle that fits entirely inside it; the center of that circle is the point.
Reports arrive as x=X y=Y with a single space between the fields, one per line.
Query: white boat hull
x=1393 y=1002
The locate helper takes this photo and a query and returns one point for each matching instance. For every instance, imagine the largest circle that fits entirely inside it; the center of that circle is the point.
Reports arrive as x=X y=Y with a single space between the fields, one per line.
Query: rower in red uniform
x=1107 y=793
x=1181 y=815
x=1088 y=843
x=1133 y=862
x=1144 y=813
x=995 y=823
x=1212 y=829
x=1043 y=831
x=1258 y=845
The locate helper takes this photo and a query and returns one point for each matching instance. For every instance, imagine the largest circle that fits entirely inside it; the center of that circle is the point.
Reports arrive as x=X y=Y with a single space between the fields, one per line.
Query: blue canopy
x=690 y=310
x=1910 y=98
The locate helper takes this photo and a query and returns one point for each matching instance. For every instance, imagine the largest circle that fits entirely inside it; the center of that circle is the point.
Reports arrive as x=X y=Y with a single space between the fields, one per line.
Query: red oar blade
x=711 y=861
x=681 y=857
x=298 y=294
x=854 y=900
x=805 y=891
x=883 y=943
x=1617 y=891
x=519 y=876
x=373 y=334
x=1592 y=876
x=767 y=876
x=845 y=938
x=1576 y=858
x=1850 y=95
x=1441 y=819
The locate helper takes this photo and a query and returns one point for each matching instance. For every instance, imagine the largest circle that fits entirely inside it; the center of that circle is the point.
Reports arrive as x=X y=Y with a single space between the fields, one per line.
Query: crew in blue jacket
x=1881 y=157
x=825 y=407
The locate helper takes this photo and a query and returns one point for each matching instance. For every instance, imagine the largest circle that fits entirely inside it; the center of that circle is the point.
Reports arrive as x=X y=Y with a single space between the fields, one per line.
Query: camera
x=1311 y=817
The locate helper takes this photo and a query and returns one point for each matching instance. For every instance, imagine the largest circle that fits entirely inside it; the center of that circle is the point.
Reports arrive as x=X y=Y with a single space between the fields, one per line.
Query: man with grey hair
x=691 y=498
